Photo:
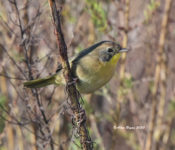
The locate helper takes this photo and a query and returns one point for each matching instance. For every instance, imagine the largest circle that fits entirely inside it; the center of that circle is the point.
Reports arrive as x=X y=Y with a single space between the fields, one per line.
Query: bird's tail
x=38 y=83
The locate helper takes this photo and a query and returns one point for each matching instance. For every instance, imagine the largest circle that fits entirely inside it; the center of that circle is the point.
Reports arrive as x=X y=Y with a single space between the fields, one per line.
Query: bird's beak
x=123 y=50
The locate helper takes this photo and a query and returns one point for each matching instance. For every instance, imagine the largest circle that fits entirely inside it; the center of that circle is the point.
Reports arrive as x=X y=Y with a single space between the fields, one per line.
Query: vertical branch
x=160 y=78
x=123 y=55
x=163 y=71
x=71 y=89
x=125 y=38
x=122 y=68
x=20 y=138
x=9 y=128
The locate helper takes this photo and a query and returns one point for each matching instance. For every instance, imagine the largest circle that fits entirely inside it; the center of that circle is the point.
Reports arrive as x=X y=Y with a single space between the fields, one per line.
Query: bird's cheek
x=105 y=58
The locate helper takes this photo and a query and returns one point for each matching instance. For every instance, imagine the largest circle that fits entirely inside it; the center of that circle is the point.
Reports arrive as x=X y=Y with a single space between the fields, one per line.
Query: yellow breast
x=93 y=73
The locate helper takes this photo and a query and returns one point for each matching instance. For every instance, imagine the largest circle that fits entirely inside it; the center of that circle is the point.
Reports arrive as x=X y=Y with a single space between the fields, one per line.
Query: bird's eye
x=110 y=50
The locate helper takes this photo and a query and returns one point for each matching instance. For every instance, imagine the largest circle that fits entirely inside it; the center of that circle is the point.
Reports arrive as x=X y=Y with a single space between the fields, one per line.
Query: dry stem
x=71 y=88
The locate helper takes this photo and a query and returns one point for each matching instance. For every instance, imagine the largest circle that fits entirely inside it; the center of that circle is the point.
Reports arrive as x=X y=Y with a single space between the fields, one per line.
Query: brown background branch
x=160 y=79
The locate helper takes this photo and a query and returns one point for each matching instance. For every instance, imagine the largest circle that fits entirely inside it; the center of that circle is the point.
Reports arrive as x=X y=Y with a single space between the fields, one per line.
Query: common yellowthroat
x=93 y=67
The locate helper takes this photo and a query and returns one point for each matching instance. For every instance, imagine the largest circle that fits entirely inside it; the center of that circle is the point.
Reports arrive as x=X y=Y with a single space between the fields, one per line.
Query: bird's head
x=110 y=50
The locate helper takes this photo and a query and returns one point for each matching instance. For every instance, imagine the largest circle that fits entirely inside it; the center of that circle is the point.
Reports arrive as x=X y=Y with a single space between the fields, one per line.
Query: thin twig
x=13 y=61
x=27 y=47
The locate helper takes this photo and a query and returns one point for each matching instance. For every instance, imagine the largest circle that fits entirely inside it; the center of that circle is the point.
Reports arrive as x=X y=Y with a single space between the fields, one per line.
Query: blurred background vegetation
x=134 y=111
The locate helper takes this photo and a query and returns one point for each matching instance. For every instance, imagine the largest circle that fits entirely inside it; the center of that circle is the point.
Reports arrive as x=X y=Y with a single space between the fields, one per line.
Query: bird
x=93 y=67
